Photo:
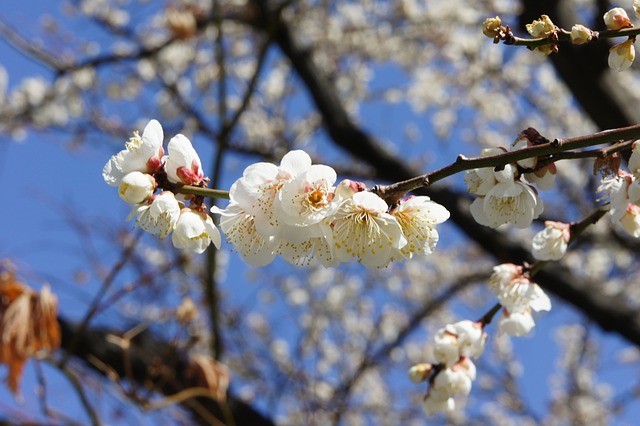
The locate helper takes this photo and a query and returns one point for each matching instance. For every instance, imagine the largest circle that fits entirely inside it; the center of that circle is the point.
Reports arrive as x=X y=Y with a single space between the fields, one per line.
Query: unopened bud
x=420 y=372
x=622 y=55
x=617 y=19
x=136 y=187
x=492 y=27
x=581 y=34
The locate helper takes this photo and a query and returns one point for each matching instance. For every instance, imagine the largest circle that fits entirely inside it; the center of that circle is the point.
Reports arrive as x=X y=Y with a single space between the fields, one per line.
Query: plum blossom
x=624 y=199
x=135 y=187
x=551 y=243
x=462 y=339
x=417 y=216
x=142 y=153
x=450 y=382
x=239 y=228
x=258 y=188
x=183 y=163
x=622 y=55
x=363 y=229
x=516 y=323
x=509 y=200
x=158 y=216
x=194 y=231
x=519 y=296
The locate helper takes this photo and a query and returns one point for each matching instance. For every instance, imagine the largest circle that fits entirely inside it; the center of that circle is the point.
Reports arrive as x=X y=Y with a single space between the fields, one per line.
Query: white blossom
x=516 y=323
x=362 y=228
x=160 y=216
x=417 y=217
x=142 y=153
x=195 y=231
x=239 y=228
x=551 y=243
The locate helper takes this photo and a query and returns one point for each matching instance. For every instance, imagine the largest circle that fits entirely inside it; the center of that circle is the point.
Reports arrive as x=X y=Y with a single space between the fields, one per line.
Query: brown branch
x=155 y=365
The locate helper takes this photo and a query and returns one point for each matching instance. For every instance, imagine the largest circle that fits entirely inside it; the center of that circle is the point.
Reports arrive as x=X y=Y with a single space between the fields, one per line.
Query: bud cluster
x=149 y=180
x=453 y=372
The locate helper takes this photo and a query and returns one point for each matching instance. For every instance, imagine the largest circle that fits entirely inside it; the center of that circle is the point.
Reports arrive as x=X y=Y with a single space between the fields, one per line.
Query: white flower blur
x=630 y=220
x=195 y=231
x=159 y=217
x=183 y=163
x=622 y=55
x=142 y=153
x=462 y=339
x=363 y=229
x=417 y=216
x=634 y=160
x=420 y=372
x=551 y=243
x=135 y=187
x=519 y=296
x=450 y=382
x=516 y=323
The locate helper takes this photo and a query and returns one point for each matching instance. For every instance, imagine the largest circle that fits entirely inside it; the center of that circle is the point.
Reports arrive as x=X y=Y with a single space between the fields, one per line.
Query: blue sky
x=42 y=178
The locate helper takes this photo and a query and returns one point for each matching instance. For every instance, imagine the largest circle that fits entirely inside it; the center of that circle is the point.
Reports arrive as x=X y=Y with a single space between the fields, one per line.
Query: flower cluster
x=453 y=372
x=624 y=194
x=145 y=176
x=540 y=28
x=507 y=195
x=519 y=296
x=295 y=210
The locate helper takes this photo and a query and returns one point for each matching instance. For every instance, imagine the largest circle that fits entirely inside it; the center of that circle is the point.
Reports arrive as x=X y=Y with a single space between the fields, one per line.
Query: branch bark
x=156 y=365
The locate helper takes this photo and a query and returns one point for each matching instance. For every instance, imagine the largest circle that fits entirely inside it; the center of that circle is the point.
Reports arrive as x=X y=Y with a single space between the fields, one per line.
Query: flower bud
x=492 y=27
x=617 y=19
x=580 y=34
x=636 y=8
x=621 y=55
x=420 y=372
x=136 y=187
